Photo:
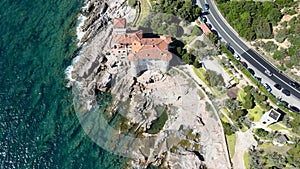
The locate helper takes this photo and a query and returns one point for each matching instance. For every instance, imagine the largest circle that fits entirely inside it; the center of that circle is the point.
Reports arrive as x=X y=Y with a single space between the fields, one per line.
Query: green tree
x=187 y=58
x=228 y=130
x=214 y=79
x=249 y=101
x=213 y=37
x=172 y=30
x=294 y=155
x=261 y=133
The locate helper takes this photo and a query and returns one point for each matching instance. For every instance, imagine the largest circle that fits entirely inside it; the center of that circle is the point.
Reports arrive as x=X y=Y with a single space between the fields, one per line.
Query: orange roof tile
x=119 y=22
x=128 y=37
x=205 y=29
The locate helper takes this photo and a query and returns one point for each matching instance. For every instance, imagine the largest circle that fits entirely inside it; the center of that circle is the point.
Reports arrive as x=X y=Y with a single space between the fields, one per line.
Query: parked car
x=268 y=72
x=286 y=92
x=294 y=84
x=231 y=50
x=294 y=109
x=206 y=6
x=258 y=79
x=203 y=19
x=244 y=64
x=277 y=86
x=285 y=104
x=237 y=57
x=267 y=87
x=209 y=26
x=251 y=71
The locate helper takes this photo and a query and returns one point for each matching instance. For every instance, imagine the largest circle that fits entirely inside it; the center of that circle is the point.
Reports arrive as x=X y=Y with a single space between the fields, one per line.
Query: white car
x=268 y=72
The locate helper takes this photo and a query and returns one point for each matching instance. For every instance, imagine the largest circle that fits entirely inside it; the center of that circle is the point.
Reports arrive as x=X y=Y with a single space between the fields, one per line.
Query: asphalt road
x=228 y=35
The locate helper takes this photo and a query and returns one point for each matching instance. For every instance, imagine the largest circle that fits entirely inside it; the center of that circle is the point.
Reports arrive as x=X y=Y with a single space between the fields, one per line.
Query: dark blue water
x=38 y=128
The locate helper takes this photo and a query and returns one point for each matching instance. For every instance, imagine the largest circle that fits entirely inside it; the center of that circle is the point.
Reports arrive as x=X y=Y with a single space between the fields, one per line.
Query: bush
x=214 y=79
x=228 y=129
x=197 y=31
x=270 y=46
x=261 y=133
x=249 y=101
x=197 y=63
x=132 y=3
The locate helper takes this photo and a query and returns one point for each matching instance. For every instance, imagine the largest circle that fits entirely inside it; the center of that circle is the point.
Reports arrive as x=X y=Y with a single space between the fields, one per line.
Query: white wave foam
x=68 y=73
x=79 y=31
x=81 y=20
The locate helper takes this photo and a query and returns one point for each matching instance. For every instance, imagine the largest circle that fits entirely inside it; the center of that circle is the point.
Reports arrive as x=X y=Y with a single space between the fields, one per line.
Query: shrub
x=132 y=3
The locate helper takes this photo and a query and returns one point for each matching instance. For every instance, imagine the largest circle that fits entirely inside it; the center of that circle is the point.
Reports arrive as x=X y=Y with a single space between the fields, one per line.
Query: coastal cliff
x=154 y=119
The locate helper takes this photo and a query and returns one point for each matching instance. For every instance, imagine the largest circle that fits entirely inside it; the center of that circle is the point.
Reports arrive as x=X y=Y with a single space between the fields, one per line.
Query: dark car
x=203 y=19
x=209 y=26
x=294 y=109
x=267 y=87
x=286 y=92
x=251 y=71
x=277 y=86
x=285 y=104
x=231 y=50
x=244 y=64
x=294 y=84
x=258 y=79
x=206 y=6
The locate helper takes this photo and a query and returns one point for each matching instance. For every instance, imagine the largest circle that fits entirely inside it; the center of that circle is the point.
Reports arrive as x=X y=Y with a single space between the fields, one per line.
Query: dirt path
x=244 y=140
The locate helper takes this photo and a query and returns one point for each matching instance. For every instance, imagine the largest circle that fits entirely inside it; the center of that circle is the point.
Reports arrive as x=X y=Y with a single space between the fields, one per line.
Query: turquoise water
x=38 y=128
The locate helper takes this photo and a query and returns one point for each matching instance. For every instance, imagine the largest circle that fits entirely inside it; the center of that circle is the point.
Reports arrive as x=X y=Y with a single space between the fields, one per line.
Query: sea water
x=38 y=126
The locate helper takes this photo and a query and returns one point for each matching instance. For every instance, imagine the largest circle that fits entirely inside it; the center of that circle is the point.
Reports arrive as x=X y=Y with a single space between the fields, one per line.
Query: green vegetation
x=213 y=38
x=201 y=94
x=161 y=23
x=183 y=9
x=159 y=123
x=291 y=33
x=261 y=133
x=252 y=19
x=294 y=155
x=186 y=144
x=132 y=3
x=201 y=74
x=197 y=31
x=228 y=128
x=270 y=46
x=295 y=123
x=231 y=144
x=246 y=160
x=213 y=78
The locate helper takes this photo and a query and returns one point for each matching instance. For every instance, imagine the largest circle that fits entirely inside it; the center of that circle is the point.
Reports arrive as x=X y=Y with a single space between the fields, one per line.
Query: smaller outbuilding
x=270 y=117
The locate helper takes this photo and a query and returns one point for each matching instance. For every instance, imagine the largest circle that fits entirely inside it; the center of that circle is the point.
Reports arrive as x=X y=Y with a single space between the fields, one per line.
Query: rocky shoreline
x=189 y=136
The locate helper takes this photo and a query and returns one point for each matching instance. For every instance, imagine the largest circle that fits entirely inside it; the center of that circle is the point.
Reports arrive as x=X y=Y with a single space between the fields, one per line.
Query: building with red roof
x=142 y=53
x=204 y=28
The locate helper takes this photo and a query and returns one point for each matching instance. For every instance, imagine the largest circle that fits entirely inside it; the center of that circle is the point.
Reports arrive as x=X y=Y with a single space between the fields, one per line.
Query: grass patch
x=265 y=145
x=231 y=144
x=201 y=74
x=188 y=39
x=279 y=126
x=255 y=113
x=241 y=95
x=201 y=94
x=246 y=160
x=223 y=118
x=159 y=123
